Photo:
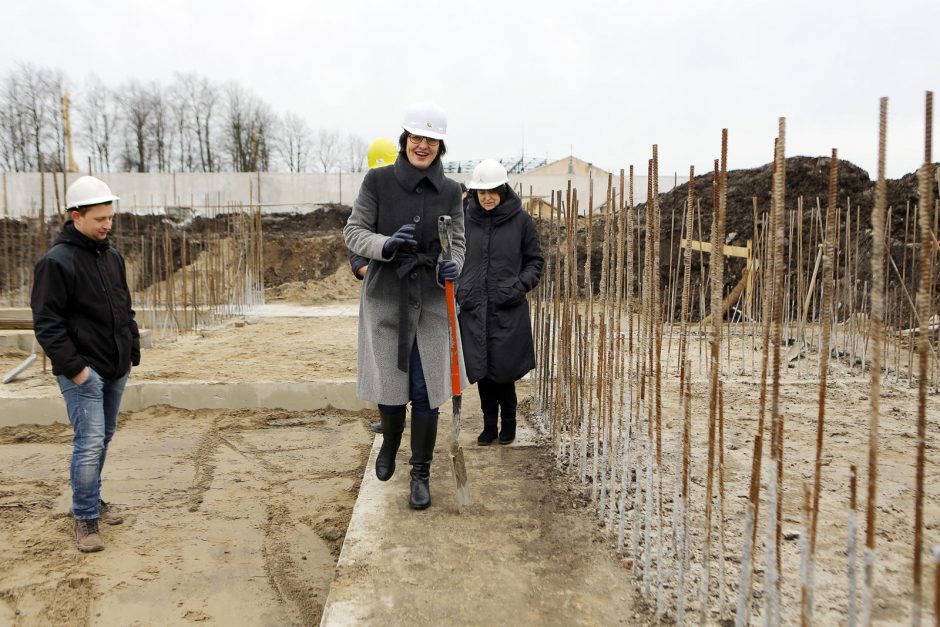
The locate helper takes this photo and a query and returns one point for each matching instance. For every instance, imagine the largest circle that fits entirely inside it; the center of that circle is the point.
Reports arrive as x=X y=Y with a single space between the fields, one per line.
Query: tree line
x=193 y=124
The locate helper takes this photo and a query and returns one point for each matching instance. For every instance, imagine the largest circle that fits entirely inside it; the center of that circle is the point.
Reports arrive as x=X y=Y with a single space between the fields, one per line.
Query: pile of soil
x=291 y=258
x=807 y=178
x=328 y=218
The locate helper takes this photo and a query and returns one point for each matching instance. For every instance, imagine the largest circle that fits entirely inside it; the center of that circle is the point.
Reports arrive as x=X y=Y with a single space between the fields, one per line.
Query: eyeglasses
x=417 y=139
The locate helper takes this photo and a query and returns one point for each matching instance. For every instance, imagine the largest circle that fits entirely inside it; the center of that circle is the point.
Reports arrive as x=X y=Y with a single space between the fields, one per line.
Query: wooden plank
x=15 y=324
x=729 y=251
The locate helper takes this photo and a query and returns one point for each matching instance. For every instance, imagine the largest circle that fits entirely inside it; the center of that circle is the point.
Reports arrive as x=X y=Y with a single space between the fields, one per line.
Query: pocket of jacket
x=509 y=294
x=466 y=297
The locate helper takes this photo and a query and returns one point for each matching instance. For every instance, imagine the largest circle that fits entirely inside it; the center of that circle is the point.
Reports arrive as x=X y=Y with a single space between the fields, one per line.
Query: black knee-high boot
x=508 y=403
x=392 y=427
x=489 y=403
x=423 y=437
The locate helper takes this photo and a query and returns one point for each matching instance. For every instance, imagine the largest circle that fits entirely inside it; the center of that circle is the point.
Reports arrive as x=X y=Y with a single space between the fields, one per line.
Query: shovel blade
x=459 y=468
x=457 y=464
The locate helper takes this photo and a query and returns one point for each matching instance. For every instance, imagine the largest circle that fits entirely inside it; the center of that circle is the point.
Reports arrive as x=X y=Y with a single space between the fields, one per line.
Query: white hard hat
x=87 y=191
x=488 y=174
x=426 y=119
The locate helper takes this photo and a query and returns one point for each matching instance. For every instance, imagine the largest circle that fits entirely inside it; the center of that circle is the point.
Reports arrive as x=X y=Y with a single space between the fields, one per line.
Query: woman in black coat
x=503 y=263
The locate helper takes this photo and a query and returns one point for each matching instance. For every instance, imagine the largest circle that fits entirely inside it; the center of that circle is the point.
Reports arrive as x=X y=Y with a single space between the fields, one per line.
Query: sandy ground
x=232 y=517
x=204 y=550
x=273 y=348
x=237 y=517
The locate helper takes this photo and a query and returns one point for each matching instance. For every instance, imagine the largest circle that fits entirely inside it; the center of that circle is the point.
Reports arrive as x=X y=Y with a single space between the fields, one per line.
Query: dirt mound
x=327 y=218
x=339 y=286
x=807 y=178
x=289 y=258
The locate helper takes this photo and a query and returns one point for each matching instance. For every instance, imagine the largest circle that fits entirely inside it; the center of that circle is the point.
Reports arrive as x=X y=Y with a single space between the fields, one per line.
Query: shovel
x=457 y=465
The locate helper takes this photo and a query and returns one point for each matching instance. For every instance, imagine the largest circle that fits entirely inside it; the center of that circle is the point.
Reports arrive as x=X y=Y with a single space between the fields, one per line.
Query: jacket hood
x=410 y=177
x=71 y=235
x=510 y=206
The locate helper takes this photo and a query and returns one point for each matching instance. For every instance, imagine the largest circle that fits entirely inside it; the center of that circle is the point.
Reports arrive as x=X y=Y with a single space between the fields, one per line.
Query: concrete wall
x=20 y=192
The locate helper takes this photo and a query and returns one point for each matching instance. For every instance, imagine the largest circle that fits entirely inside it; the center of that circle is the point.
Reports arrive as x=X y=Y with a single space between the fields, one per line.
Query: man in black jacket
x=84 y=321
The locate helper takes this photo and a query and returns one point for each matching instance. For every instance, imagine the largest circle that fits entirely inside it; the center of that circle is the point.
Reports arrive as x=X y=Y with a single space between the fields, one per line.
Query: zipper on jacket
x=107 y=292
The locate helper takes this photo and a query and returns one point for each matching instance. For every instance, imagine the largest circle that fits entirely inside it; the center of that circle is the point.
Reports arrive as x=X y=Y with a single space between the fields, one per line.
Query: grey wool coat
x=407 y=283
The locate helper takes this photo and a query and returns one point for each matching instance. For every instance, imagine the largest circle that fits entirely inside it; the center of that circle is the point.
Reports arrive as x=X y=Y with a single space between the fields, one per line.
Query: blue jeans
x=93 y=409
x=417 y=389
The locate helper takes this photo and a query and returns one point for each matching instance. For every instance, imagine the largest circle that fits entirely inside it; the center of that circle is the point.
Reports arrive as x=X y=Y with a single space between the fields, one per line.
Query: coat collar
x=71 y=235
x=510 y=206
x=410 y=177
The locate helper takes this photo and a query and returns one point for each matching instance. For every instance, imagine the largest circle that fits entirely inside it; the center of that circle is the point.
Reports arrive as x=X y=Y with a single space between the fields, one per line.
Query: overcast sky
x=604 y=79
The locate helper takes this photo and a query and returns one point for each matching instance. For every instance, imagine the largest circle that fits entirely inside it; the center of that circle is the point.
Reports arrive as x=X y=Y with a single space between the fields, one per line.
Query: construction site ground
x=239 y=516
x=251 y=516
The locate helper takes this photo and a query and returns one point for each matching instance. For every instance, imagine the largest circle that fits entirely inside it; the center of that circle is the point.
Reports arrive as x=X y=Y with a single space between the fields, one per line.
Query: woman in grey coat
x=403 y=328
x=504 y=262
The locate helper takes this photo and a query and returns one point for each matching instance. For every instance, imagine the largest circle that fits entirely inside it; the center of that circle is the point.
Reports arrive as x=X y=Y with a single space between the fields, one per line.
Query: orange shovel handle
x=454 y=355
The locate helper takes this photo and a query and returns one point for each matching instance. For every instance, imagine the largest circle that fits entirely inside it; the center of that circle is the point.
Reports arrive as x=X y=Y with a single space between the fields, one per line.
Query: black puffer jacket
x=503 y=262
x=82 y=310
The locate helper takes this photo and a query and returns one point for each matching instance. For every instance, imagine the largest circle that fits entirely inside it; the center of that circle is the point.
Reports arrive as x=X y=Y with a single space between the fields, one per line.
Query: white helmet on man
x=87 y=191
x=426 y=119
x=489 y=174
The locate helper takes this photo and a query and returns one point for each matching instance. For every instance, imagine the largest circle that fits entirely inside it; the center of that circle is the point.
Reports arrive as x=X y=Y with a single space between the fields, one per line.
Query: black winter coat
x=82 y=310
x=503 y=262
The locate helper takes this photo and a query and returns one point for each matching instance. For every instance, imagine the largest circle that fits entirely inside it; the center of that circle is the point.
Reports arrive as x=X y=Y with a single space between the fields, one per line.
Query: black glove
x=404 y=236
x=447 y=271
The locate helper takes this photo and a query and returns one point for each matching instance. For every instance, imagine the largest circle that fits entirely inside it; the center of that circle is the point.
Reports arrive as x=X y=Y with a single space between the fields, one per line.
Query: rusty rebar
x=925 y=195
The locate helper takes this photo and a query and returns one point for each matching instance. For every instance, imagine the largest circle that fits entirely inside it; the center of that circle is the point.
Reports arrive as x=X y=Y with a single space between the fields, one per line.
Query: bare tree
x=37 y=111
x=13 y=135
x=355 y=149
x=249 y=124
x=190 y=125
x=55 y=88
x=99 y=113
x=138 y=114
x=203 y=97
x=184 y=127
x=327 y=149
x=263 y=128
x=294 y=142
x=30 y=117
x=162 y=129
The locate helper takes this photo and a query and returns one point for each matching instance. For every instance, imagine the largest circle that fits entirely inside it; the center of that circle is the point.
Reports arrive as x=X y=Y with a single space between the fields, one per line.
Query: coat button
x=419 y=190
x=414 y=275
x=417 y=219
x=416 y=305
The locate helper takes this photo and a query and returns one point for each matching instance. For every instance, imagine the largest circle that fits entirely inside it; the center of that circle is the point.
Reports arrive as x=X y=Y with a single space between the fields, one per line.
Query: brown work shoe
x=87 y=538
x=108 y=514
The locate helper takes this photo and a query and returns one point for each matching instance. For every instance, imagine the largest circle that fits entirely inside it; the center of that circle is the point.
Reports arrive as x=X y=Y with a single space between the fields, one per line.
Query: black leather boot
x=423 y=437
x=507 y=406
x=508 y=433
x=392 y=427
x=490 y=430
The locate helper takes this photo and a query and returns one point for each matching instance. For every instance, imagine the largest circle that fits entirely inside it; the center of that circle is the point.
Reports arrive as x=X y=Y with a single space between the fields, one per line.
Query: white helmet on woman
x=426 y=119
x=489 y=174
x=86 y=191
